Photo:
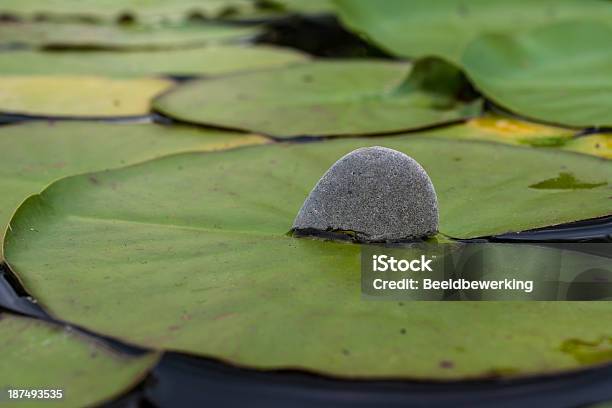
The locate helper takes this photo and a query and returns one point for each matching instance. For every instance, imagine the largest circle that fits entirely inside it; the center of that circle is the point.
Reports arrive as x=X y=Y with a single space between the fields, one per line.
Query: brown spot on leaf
x=446 y=364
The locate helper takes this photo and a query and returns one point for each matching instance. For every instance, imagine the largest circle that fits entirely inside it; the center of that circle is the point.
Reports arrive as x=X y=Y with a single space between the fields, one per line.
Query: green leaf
x=596 y=145
x=420 y=28
x=38 y=356
x=443 y=82
x=197 y=61
x=304 y=6
x=90 y=36
x=319 y=98
x=207 y=254
x=144 y=11
x=508 y=130
x=158 y=11
x=79 y=96
x=36 y=154
x=110 y=83
x=557 y=74
x=606 y=404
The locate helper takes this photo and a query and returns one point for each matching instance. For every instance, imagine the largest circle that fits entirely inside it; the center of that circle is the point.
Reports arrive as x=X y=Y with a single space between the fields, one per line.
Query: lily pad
x=208 y=254
x=74 y=96
x=596 y=145
x=149 y=11
x=38 y=356
x=92 y=36
x=508 y=130
x=36 y=154
x=319 y=98
x=556 y=74
x=305 y=6
x=418 y=28
x=187 y=62
x=271 y=10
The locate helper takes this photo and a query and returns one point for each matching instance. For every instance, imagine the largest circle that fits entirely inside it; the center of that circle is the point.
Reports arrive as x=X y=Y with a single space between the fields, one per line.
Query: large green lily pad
x=197 y=61
x=38 y=356
x=150 y=11
x=91 y=36
x=319 y=98
x=419 y=28
x=79 y=96
x=558 y=74
x=208 y=256
x=36 y=154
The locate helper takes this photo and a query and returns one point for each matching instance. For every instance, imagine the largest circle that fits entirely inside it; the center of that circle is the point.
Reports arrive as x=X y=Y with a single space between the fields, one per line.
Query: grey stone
x=379 y=194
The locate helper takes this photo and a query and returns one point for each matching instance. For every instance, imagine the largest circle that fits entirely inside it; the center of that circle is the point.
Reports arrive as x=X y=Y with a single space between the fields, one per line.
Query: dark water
x=14 y=118
x=14 y=298
x=181 y=380
x=595 y=230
